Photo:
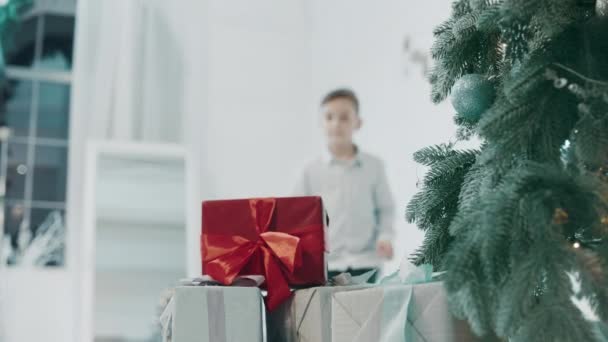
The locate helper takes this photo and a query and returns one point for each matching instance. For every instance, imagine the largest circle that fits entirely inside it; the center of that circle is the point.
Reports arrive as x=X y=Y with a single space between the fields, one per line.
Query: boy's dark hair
x=342 y=93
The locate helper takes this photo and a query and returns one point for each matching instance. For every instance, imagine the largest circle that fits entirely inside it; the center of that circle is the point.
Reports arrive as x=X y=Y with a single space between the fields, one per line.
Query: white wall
x=360 y=44
x=259 y=119
x=37 y=305
x=269 y=64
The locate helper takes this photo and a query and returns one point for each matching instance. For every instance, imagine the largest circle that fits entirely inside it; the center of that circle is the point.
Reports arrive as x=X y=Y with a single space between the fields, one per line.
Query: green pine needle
x=502 y=220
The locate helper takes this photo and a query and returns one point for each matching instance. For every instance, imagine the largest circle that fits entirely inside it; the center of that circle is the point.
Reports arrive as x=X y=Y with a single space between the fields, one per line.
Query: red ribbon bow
x=224 y=256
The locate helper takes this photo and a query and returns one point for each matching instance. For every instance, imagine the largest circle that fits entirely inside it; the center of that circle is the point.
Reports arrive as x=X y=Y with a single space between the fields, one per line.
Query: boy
x=354 y=189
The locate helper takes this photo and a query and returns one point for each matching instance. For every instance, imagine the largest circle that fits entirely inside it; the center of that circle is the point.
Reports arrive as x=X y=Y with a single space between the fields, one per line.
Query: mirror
x=138 y=233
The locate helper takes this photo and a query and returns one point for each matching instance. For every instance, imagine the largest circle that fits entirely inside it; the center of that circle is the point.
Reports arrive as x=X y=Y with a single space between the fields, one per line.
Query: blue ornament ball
x=472 y=95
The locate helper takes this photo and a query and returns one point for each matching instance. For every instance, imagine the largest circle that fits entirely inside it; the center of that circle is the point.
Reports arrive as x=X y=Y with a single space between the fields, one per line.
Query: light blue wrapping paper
x=213 y=314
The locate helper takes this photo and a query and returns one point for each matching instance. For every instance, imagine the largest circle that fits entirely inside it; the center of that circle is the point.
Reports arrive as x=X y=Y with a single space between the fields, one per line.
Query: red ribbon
x=224 y=256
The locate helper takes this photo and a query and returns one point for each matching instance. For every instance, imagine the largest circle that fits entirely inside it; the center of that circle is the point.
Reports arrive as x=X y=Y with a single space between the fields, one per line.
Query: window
x=36 y=101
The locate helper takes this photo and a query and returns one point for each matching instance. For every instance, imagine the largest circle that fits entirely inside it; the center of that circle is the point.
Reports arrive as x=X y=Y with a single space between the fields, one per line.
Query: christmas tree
x=521 y=224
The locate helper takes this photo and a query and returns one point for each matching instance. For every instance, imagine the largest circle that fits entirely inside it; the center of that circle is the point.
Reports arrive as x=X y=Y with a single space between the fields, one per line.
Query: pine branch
x=502 y=220
x=433 y=154
x=542 y=326
x=488 y=19
x=433 y=208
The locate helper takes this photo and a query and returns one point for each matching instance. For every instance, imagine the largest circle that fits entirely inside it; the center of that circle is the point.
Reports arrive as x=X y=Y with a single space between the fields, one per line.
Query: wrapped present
x=429 y=317
x=405 y=307
x=368 y=315
x=412 y=313
x=213 y=314
x=282 y=239
x=306 y=316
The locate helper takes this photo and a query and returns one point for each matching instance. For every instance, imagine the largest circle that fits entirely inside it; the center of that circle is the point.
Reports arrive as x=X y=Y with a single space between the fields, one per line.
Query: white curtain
x=137 y=76
x=129 y=74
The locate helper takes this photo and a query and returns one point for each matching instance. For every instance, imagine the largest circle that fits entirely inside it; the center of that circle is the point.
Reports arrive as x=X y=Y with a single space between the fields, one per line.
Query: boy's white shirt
x=359 y=204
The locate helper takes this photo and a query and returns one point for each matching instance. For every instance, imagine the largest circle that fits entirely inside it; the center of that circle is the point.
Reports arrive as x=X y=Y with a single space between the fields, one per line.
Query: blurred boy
x=354 y=189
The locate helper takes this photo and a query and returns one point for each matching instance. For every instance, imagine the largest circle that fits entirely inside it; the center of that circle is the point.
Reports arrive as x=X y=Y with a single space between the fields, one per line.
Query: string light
x=576 y=245
x=592 y=88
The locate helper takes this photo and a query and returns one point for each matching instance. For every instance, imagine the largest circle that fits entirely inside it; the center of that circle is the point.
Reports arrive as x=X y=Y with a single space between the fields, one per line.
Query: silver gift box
x=213 y=314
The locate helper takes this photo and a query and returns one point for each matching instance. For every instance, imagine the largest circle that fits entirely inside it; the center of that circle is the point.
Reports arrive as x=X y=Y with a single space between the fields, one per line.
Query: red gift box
x=282 y=239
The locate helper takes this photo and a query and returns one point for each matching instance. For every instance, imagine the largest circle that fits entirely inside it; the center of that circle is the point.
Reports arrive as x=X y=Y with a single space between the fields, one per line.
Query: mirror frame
x=140 y=151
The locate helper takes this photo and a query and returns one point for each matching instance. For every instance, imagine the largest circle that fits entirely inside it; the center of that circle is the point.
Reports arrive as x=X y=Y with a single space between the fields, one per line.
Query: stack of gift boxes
x=265 y=279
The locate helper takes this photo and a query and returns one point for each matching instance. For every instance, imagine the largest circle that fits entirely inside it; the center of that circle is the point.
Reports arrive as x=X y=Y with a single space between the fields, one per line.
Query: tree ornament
x=472 y=95
x=560 y=216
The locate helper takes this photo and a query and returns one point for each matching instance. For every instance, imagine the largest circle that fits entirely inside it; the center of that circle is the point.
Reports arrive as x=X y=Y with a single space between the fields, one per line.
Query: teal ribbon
x=397 y=301
x=346 y=279
x=409 y=275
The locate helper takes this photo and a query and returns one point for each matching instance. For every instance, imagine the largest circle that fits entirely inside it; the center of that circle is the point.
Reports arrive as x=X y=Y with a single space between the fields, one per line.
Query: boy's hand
x=384 y=249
